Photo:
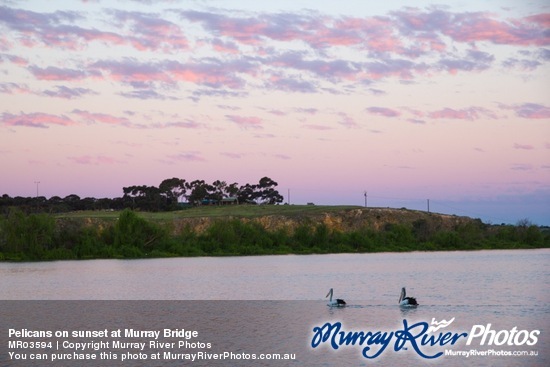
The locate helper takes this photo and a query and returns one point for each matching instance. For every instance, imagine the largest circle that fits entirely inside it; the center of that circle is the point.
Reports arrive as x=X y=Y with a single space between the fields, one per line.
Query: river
x=274 y=303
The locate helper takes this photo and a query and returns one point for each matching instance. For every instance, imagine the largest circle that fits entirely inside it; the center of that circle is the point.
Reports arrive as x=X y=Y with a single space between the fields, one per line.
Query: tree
x=247 y=194
x=267 y=193
x=172 y=189
x=199 y=192
x=232 y=190
x=143 y=197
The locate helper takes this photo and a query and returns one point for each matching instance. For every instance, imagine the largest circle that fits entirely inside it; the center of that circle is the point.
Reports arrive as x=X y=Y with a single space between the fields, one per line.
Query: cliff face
x=344 y=221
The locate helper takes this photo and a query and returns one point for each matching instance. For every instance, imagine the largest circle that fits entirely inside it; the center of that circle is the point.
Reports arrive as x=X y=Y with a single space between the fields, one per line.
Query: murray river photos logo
x=425 y=339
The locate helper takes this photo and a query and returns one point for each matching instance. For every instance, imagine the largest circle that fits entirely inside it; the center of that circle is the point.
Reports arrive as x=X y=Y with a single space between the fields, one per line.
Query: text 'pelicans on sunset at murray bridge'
x=335 y=303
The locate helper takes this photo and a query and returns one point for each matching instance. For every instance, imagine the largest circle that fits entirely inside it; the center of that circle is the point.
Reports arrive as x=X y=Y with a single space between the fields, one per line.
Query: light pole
x=36 y=182
x=37 y=206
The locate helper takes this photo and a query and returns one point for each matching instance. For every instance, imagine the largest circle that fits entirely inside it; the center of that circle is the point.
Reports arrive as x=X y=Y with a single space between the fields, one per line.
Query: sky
x=445 y=104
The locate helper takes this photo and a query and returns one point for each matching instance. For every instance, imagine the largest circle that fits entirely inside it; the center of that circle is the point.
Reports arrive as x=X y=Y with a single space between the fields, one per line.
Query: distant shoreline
x=252 y=230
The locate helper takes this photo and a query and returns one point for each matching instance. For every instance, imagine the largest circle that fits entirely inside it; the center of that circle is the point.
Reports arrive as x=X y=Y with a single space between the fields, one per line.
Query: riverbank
x=251 y=230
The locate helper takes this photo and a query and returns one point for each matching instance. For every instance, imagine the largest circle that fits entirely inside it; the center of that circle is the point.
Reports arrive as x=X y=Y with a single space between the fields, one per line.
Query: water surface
x=279 y=299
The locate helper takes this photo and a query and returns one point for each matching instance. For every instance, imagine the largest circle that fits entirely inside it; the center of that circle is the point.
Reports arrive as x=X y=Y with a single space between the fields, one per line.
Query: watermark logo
x=425 y=339
x=502 y=337
x=439 y=325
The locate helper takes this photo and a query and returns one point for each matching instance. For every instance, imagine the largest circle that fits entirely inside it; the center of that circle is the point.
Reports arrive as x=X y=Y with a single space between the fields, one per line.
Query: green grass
x=238 y=211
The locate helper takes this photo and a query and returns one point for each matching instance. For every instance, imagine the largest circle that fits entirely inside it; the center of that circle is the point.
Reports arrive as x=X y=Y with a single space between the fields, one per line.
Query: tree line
x=172 y=194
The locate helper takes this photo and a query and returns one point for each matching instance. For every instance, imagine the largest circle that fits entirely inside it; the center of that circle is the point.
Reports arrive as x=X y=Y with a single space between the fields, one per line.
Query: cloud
x=532 y=111
x=225 y=47
x=416 y=121
x=40 y=120
x=347 y=121
x=145 y=94
x=185 y=157
x=392 y=68
x=310 y=111
x=470 y=27
x=479 y=26
x=61 y=91
x=151 y=32
x=93 y=117
x=213 y=73
x=474 y=61
x=383 y=111
x=523 y=146
x=130 y=70
x=246 y=122
x=142 y=31
x=521 y=167
x=471 y=113
x=55 y=73
x=14 y=59
x=317 y=127
x=188 y=124
x=333 y=70
x=232 y=155
x=14 y=88
x=289 y=84
x=94 y=160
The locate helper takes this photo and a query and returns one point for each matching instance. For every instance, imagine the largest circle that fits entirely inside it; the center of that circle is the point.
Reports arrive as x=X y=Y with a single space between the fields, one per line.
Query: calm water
x=285 y=295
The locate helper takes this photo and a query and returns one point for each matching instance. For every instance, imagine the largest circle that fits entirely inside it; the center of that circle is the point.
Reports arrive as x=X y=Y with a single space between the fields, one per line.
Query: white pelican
x=406 y=301
x=337 y=302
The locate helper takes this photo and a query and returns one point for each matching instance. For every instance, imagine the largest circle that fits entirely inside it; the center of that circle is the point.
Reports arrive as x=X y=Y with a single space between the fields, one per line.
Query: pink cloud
x=246 y=122
x=145 y=31
x=94 y=160
x=14 y=88
x=17 y=60
x=225 y=47
x=473 y=27
x=186 y=157
x=316 y=127
x=151 y=32
x=214 y=73
x=131 y=71
x=472 y=113
x=101 y=118
x=523 y=146
x=189 y=124
x=232 y=155
x=41 y=120
x=383 y=111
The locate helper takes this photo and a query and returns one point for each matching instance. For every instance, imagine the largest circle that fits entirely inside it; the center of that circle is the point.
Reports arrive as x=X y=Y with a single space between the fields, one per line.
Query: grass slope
x=238 y=211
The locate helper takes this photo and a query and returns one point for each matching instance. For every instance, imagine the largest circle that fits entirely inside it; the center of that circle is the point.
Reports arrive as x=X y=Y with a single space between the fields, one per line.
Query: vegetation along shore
x=228 y=230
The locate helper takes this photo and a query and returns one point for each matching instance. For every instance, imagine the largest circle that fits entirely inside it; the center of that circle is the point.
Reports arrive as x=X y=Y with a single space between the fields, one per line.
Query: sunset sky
x=447 y=101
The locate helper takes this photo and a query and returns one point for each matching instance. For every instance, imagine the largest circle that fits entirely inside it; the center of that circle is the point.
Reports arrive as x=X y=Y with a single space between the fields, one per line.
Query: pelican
x=406 y=301
x=337 y=302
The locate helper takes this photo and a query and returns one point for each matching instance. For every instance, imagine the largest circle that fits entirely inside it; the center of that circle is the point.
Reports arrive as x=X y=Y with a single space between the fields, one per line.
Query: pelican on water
x=406 y=301
x=337 y=302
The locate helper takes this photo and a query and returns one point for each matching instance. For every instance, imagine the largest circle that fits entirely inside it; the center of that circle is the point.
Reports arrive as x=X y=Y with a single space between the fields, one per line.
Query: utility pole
x=365 y=199
x=428 y=205
x=37 y=206
x=288 y=197
x=37 y=182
